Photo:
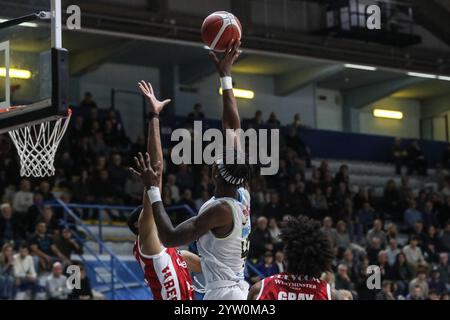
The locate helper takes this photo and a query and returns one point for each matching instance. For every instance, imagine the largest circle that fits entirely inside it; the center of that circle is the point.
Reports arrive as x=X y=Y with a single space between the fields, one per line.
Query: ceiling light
x=422 y=75
x=241 y=93
x=16 y=73
x=360 y=67
x=387 y=114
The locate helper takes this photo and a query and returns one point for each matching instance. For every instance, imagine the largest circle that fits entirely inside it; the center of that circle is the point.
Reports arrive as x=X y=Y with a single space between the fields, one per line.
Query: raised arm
x=148 y=235
x=187 y=231
x=230 y=114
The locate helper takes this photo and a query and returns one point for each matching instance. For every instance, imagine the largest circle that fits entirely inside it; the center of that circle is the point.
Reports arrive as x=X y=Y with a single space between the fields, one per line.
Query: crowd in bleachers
x=405 y=231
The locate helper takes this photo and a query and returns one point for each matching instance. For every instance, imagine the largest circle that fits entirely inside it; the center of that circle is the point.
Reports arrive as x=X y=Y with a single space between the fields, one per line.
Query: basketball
x=219 y=28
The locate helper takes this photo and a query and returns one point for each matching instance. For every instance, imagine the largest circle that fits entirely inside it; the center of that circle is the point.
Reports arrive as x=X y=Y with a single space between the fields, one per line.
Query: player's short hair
x=133 y=218
x=307 y=249
x=234 y=167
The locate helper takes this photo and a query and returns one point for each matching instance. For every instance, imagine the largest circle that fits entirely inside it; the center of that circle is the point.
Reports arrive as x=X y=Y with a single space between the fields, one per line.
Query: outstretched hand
x=224 y=64
x=150 y=177
x=155 y=105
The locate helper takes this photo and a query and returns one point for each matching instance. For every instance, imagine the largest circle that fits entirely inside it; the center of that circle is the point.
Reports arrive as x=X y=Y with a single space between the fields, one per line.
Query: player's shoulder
x=244 y=194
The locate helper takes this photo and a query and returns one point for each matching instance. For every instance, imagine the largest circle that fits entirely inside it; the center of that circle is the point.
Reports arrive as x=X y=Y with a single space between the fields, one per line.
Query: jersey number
x=245 y=247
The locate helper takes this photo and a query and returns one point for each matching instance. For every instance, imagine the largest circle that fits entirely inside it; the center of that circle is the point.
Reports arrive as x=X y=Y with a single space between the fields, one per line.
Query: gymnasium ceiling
x=89 y=50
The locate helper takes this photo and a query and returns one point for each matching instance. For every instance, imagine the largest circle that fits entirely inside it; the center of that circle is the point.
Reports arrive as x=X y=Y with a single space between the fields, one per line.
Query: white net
x=37 y=144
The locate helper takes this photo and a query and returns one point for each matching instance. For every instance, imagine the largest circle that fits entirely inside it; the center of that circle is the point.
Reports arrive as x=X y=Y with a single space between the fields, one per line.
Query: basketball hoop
x=36 y=145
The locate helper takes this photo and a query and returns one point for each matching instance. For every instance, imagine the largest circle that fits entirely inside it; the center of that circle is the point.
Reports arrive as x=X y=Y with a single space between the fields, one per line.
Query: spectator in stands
x=186 y=199
x=391 y=201
x=7 y=280
x=392 y=251
x=416 y=159
x=297 y=122
x=47 y=216
x=273 y=120
x=353 y=266
x=171 y=183
x=402 y=273
x=197 y=113
x=399 y=155
x=85 y=290
x=413 y=253
x=279 y=261
x=24 y=271
x=44 y=249
x=415 y=293
x=342 y=281
x=205 y=196
x=391 y=231
x=66 y=244
x=342 y=176
x=342 y=235
x=56 y=285
x=435 y=283
x=117 y=174
x=102 y=188
x=444 y=239
x=274 y=231
x=431 y=245
x=365 y=216
x=411 y=216
x=386 y=271
x=330 y=232
x=267 y=267
x=133 y=189
x=294 y=142
x=22 y=201
x=429 y=215
x=319 y=203
x=88 y=101
x=421 y=281
x=419 y=233
x=45 y=190
x=377 y=232
x=184 y=177
x=8 y=226
x=273 y=209
x=444 y=267
x=373 y=249
x=260 y=238
x=257 y=120
x=386 y=291
x=405 y=192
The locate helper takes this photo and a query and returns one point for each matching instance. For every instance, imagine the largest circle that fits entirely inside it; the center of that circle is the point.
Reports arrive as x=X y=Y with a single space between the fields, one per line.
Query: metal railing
x=72 y=219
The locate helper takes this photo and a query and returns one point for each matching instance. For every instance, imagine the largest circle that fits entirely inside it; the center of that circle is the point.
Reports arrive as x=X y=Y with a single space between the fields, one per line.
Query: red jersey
x=285 y=286
x=166 y=274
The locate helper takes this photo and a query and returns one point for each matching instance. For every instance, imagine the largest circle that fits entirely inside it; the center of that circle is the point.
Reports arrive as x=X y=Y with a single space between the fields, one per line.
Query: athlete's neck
x=225 y=191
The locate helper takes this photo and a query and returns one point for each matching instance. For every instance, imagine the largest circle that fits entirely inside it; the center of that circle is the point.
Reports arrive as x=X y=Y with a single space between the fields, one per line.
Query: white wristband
x=226 y=83
x=154 y=195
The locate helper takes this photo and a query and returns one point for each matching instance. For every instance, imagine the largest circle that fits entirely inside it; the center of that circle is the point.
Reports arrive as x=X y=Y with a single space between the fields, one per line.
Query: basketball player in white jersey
x=222 y=226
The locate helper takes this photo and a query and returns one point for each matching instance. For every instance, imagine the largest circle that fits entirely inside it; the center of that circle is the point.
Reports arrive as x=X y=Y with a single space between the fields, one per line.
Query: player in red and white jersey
x=166 y=270
x=308 y=254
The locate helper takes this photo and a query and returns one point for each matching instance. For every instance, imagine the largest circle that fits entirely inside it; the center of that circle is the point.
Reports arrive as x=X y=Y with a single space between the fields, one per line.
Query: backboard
x=33 y=65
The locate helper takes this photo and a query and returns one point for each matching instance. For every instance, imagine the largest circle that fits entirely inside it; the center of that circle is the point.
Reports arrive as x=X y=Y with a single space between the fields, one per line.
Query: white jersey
x=223 y=259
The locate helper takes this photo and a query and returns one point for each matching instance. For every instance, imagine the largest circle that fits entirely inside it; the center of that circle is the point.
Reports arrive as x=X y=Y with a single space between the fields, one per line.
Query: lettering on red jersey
x=286 y=286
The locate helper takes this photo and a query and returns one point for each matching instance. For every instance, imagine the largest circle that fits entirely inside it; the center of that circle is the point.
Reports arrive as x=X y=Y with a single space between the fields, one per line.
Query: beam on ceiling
x=86 y=60
x=194 y=71
x=362 y=96
x=288 y=83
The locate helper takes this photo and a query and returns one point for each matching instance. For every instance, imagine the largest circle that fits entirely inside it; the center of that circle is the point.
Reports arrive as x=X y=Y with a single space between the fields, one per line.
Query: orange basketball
x=219 y=28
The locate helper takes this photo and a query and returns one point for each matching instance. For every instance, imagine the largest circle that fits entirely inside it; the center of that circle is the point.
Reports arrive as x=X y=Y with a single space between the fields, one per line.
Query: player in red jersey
x=308 y=254
x=166 y=270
